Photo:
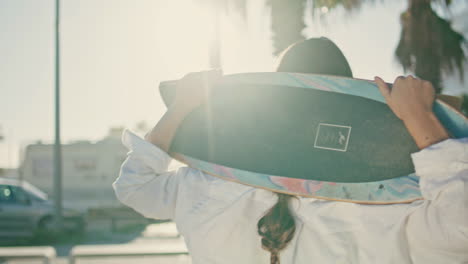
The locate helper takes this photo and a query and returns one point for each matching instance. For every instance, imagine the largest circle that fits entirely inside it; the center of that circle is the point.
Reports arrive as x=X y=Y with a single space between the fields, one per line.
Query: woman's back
x=218 y=218
x=225 y=222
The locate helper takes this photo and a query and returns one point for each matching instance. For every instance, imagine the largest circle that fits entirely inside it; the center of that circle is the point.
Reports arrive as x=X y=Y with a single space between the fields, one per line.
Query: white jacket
x=218 y=218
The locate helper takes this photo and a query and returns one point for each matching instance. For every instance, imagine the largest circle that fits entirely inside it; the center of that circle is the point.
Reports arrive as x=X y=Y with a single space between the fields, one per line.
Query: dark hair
x=319 y=56
x=277 y=227
x=314 y=55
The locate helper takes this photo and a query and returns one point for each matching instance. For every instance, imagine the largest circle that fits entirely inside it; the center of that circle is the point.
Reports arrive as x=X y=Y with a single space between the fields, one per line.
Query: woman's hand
x=408 y=97
x=411 y=100
x=193 y=89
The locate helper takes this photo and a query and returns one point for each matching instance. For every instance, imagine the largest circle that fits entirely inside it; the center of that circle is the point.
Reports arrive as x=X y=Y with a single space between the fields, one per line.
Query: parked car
x=26 y=211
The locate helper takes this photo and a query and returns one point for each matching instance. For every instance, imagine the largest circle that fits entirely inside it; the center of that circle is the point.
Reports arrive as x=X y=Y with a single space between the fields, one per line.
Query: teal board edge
x=397 y=190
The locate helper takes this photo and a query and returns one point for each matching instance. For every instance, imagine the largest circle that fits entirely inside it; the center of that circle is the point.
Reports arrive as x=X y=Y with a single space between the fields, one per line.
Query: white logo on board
x=342 y=138
x=332 y=137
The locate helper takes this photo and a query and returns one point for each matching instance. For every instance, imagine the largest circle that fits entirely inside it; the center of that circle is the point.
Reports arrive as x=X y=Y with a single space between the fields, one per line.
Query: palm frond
x=428 y=45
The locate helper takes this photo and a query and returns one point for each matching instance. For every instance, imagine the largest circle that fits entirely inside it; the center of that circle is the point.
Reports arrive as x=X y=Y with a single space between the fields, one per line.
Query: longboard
x=316 y=136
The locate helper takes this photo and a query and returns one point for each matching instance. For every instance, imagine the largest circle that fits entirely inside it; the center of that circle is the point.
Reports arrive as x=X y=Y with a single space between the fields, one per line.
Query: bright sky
x=115 y=52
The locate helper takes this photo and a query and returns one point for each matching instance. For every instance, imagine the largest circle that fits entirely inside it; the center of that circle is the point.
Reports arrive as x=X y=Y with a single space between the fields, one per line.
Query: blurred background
x=114 y=53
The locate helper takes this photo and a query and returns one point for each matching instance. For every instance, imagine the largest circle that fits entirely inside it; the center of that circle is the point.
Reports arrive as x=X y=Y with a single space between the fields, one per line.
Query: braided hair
x=277 y=227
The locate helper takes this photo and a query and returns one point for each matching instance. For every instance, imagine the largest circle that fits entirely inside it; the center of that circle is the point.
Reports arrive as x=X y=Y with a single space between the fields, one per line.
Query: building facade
x=88 y=170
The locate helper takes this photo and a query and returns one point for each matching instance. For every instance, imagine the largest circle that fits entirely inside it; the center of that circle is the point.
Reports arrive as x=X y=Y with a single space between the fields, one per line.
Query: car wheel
x=46 y=225
x=45 y=231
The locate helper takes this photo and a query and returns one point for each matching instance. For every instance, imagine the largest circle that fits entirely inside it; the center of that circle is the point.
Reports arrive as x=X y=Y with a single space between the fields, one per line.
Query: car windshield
x=34 y=190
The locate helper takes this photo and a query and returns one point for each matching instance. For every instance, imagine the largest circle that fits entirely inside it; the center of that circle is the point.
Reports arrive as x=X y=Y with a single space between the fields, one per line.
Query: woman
x=226 y=222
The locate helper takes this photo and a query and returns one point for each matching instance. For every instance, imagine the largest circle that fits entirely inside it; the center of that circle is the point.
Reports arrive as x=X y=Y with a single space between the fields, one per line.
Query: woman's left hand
x=193 y=89
x=409 y=97
x=411 y=100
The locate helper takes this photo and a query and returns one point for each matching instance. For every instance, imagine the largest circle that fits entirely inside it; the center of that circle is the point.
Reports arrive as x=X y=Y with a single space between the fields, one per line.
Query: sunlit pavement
x=155 y=234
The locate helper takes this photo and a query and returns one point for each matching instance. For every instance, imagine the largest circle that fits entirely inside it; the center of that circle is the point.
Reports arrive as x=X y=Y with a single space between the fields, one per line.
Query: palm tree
x=287 y=18
x=287 y=22
x=428 y=45
x=221 y=6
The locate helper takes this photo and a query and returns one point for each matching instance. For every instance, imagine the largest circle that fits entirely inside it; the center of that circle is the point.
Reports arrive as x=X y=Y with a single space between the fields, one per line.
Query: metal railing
x=46 y=253
x=96 y=251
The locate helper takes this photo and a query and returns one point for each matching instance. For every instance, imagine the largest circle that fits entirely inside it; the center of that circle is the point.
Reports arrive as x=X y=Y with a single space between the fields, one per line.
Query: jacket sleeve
x=144 y=182
x=440 y=223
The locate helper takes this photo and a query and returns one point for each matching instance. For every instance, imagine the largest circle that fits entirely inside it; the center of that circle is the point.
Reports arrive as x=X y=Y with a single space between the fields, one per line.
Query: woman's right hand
x=193 y=89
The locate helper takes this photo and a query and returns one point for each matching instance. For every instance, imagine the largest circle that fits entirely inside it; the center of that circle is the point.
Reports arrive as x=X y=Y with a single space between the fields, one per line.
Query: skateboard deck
x=316 y=136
